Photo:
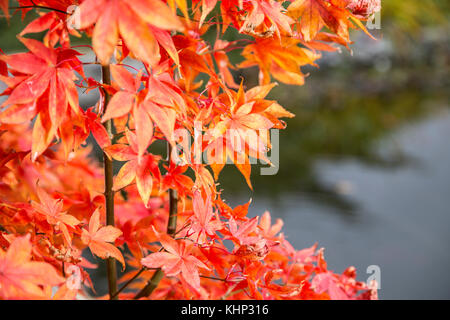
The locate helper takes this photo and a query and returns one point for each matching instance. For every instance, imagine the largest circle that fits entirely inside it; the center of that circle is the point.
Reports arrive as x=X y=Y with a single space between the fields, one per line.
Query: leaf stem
x=109 y=193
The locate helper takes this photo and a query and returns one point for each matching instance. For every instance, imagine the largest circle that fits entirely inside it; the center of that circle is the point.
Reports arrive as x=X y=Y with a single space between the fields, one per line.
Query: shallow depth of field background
x=365 y=165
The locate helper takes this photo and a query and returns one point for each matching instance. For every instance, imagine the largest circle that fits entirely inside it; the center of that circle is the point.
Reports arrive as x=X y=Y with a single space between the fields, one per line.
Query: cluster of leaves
x=53 y=200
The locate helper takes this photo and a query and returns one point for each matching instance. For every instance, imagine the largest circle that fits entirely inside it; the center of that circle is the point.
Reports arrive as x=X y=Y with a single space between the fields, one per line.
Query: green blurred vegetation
x=413 y=16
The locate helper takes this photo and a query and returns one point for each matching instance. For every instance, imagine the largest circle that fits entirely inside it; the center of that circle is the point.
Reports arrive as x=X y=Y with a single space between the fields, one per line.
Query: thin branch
x=151 y=285
x=213 y=278
x=40 y=7
x=129 y=282
x=109 y=193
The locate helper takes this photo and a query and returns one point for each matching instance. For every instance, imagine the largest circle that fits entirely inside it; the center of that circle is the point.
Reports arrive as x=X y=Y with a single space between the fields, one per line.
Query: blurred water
x=400 y=221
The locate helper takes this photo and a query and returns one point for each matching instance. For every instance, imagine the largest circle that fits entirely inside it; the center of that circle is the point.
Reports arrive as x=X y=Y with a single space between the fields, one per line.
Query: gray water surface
x=401 y=221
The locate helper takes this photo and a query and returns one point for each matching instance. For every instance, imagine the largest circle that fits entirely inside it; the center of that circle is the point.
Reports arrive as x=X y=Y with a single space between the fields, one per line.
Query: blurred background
x=365 y=164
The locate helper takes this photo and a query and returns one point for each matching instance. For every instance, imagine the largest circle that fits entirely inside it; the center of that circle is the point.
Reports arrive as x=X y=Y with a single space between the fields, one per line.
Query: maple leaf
x=315 y=14
x=364 y=8
x=193 y=59
x=97 y=238
x=237 y=213
x=65 y=293
x=177 y=259
x=223 y=62
x=280 y=291
x=242 y=232
x=202 y=222
x=255 y=251
x=133 y=20
x=163 y=90
x=203 y=179
x=52 y=209
x=145 y=105
x=21 y=278
x=269 y=230
x=97 y=129
x=281 y=59
x=265 y=19
x=127 y=86
x=46 y=88
x=243 y=131
x=249 y=244
x=328 y=282
x=175 y=179
x=56 y=24
x=136 y=168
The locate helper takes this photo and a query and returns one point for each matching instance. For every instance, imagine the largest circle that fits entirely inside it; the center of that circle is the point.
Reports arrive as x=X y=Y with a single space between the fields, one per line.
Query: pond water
x=400 y=219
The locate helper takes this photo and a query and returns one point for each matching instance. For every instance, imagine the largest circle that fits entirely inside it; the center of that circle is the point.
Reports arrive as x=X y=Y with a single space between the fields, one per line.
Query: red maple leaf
x=203 y=222
x=177 y=259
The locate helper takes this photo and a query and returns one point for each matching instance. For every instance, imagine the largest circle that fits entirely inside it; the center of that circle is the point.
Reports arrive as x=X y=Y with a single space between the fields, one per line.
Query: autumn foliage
x=164 y=221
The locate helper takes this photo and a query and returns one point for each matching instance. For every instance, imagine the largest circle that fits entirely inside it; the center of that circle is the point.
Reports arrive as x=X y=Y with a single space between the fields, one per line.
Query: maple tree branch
x=153 y=283
x=109 y=193
x=129 y=282
x=213 y=278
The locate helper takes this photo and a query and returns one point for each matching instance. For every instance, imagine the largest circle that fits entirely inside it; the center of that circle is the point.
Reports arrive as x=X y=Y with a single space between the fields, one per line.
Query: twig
x=212 y=278
x=128 y=282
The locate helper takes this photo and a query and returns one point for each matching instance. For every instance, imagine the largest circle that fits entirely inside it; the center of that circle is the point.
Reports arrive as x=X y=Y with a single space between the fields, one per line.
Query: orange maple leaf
x=176 y=179
x=138 y=22
x=21 y=278
x=97 y=239
x=52 y=209
x=45 y=88
x=145 y=105
x=266 y=18
x=281 y=59
x=315 y=14
x=243 y=131
x=137 y=168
